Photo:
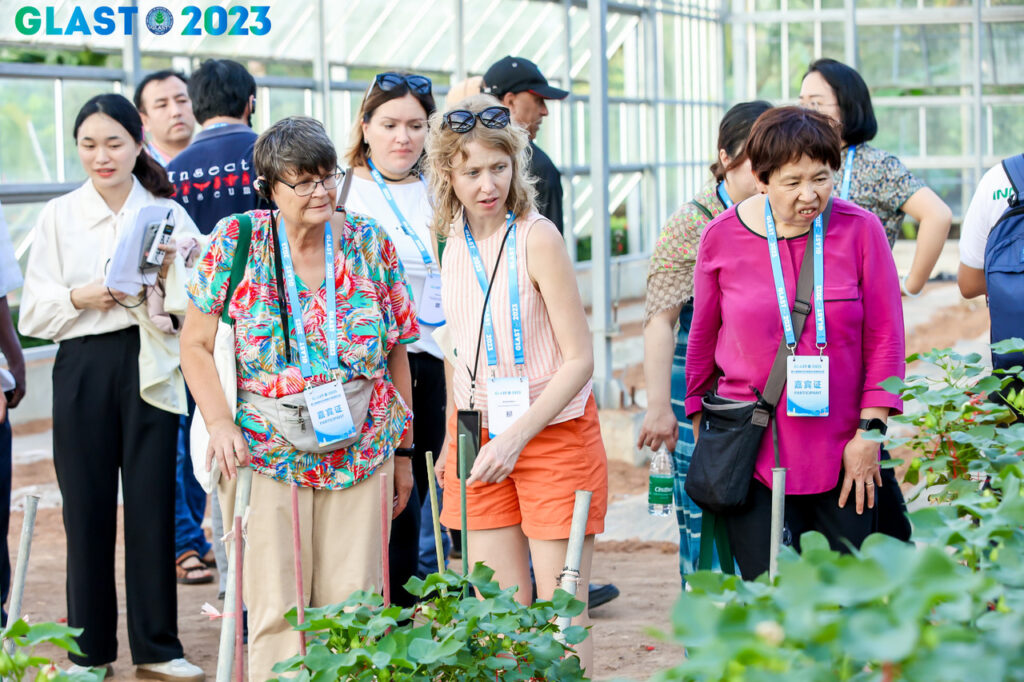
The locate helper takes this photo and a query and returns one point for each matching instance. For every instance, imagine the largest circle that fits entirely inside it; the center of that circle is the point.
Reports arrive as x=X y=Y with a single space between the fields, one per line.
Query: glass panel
x=21 y=218
x=768 y=40
x=801 y=54
x=1003 y=53
x=953 y=185
x=1007 y=131
x=915 y=56
x=899 y=130
x=833 y=39
x=75 y=94
x=27 y=128
x=283 y=102
x=832 y=4
x=949 y=130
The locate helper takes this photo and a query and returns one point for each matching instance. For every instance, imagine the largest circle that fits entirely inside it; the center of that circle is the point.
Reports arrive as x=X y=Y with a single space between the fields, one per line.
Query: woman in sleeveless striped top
x=526 y=366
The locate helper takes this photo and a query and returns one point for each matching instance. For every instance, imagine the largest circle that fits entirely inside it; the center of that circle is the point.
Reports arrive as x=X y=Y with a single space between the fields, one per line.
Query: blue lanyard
x=513 y=294
x=848 y=172
x=296 y=305
x=780 y=283
x=406 y=227
x=723 y=194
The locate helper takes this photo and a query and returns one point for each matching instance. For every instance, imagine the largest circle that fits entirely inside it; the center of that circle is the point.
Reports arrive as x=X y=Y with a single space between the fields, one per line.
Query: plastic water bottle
x=659 y=491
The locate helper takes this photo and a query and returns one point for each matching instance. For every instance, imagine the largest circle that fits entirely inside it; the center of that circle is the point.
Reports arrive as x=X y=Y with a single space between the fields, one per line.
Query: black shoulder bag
x=731 y=430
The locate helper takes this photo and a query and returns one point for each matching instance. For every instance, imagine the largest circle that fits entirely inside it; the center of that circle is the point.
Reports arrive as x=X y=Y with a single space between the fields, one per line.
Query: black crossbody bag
x=731 y=430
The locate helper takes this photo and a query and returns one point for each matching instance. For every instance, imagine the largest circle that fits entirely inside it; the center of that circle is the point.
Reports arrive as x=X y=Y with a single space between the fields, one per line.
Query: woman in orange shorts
x=525 y=365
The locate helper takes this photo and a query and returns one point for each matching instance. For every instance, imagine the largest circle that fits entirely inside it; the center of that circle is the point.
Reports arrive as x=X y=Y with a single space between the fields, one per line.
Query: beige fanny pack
x=291 y=419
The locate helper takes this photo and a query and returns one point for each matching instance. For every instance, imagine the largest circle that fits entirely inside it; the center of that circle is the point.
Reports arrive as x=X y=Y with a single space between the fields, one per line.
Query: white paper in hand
x=124 y=274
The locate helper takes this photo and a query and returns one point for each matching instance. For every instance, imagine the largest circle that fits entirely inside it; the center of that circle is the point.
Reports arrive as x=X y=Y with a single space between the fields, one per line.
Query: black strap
x=703 y=209
x=483 y=314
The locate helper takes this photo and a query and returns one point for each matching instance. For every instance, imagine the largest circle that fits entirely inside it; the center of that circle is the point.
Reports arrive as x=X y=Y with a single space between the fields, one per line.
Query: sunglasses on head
x=463 y=120
x=390 y=80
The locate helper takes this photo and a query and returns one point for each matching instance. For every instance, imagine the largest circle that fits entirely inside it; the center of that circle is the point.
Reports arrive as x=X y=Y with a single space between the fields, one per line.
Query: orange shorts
x=540 y=492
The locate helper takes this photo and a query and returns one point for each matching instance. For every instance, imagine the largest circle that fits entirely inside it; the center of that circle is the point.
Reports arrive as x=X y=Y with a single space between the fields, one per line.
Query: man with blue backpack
x=992 y=252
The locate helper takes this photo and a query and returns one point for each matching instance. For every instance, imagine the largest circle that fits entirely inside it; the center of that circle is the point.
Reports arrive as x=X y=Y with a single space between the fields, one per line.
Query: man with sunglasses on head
x=212 y=178
x=521 y=87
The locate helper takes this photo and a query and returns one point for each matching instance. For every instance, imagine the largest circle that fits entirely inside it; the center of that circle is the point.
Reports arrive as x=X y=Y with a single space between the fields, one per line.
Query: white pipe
x=226 y=651
x=28 y=526
x=570 y=578
x=778 y=519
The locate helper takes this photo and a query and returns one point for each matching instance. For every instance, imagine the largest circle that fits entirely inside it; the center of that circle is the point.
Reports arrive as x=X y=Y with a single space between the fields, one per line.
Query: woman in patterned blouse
x=669 y=292
x=872 y=178
x=339 y=491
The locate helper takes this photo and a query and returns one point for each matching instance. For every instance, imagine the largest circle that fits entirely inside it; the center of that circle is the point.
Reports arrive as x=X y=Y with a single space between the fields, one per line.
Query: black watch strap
x=875 y=424
x=405 y=452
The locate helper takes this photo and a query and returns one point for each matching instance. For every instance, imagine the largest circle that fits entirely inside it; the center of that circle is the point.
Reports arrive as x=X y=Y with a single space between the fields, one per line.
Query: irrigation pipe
x=569 y=579
x=28 y=526
x=230 y=647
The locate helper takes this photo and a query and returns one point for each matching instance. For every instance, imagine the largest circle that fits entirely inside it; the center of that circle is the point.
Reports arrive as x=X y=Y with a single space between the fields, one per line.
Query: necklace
x=391 y=179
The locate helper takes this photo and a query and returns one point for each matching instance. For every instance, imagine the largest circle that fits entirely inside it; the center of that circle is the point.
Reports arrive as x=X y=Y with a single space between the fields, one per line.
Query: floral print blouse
x=881 y=184
x=375 y=311
x=670 y=274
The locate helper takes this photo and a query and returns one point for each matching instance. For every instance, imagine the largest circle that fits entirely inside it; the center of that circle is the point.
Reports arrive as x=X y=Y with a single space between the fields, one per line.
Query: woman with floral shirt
x=281 y=307
x=669 y=295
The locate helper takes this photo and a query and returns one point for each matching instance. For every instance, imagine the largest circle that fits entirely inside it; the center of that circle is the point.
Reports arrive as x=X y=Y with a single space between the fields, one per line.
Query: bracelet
x=405 y=452
x=903 y=286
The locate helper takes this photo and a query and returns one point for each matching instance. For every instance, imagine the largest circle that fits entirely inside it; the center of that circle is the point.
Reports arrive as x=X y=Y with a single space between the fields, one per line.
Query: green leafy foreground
x=947 y=607
x=451 y=635
x=18 y=664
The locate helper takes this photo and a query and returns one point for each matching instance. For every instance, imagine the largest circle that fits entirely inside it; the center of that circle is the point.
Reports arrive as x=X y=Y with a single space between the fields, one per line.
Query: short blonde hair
x=446 y=149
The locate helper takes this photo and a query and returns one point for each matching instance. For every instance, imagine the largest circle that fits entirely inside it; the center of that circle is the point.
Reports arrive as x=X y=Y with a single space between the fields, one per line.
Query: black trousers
x=101 y=427
x=750 y=528
x=428 y=404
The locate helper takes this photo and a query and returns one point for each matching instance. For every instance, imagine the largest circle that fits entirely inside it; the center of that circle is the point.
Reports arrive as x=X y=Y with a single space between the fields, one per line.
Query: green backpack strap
x=240 y=260
x=713 y=534
x=440 y=249
x=703 y=209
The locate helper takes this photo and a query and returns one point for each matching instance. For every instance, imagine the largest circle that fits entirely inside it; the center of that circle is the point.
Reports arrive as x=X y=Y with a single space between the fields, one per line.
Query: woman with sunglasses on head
x=524 y=357
x=103 y=429
x=305 y=266
x=387 y=145
x=669 y=302
x=872 y=178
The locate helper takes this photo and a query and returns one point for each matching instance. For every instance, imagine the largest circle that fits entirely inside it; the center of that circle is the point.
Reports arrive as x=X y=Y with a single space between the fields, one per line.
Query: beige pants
x=341 y=553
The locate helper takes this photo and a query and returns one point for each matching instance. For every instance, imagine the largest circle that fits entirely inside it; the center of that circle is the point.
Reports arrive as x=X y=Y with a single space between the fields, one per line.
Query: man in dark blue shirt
x=213 y=177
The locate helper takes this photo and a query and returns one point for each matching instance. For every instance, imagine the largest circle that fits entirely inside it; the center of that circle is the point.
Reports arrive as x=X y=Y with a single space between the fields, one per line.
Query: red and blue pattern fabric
x=375 y=312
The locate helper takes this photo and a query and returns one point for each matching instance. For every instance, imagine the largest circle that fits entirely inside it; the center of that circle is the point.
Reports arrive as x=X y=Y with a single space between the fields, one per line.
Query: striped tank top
x=463 y=301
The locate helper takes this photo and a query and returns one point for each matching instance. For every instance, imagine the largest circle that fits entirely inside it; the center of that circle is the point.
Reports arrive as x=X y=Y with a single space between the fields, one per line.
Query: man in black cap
x=521 y=87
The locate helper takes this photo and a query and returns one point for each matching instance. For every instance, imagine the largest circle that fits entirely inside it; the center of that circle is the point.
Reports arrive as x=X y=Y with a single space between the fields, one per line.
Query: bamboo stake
x=28 y=526
x=300 y=598
x=435 y=512
x=385 y=506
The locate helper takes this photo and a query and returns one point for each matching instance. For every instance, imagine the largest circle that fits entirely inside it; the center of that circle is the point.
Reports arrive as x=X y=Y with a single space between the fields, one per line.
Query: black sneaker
x=601 y=594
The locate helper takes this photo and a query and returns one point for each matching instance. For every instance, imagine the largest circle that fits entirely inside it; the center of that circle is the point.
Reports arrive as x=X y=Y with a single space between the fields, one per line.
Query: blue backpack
x=1004 y=268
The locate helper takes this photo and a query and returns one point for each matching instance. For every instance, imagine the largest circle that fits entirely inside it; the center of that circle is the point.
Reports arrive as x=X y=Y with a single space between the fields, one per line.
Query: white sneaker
x=108 y=669
x=178 y=670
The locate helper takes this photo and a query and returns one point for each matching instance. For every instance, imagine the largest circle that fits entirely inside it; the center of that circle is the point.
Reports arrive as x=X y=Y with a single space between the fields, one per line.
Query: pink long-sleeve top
x=737 y=328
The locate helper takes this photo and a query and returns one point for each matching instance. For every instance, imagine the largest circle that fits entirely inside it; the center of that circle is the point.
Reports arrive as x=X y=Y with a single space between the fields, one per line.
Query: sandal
x=188 y=565
x=210 y=560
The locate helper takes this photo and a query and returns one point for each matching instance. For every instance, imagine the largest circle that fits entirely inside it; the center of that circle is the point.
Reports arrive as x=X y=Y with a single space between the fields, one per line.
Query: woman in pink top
x=526 y=367
x=737 y=327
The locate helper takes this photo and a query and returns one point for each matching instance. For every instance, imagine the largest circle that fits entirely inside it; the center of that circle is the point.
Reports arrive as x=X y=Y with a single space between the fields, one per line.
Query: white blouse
x=72 y=245
x=413 y=201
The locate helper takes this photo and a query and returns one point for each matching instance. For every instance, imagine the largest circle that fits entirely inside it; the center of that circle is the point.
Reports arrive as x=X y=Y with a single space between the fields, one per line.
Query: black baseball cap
x=515 y=74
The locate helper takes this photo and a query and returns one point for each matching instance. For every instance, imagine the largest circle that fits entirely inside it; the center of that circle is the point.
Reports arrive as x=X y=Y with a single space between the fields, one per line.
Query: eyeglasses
x=815 y=105
x=463 y=120
x=390 y=80
x=304 y=189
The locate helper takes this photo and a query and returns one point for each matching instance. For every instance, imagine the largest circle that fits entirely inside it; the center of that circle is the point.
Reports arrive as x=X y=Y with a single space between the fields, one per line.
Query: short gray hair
x=297 y=144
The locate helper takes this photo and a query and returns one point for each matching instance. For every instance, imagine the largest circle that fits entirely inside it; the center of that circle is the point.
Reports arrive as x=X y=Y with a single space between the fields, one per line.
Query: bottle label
x=660 y=490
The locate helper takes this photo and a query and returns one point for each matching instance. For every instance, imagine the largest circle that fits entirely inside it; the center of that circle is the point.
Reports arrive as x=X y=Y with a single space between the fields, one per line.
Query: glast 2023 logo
x=104 y=20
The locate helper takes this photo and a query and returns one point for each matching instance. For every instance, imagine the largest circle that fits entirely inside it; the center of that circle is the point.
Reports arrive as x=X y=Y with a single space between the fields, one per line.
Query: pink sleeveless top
x=463 y=301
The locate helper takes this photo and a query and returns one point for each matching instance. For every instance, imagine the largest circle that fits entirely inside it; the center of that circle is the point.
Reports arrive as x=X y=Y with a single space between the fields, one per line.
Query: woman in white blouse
x=387 y=144
x=102 y=428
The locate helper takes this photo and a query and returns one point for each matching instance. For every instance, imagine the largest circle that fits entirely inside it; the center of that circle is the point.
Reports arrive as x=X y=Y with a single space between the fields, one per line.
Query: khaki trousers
x=341 y=553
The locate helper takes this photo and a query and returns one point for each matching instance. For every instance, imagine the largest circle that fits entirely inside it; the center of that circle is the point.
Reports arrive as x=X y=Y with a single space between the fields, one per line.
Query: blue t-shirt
x=213 y=177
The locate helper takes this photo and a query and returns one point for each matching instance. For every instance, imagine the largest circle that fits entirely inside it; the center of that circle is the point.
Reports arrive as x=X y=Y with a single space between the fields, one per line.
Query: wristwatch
x=405 y=452
x=875 y=424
